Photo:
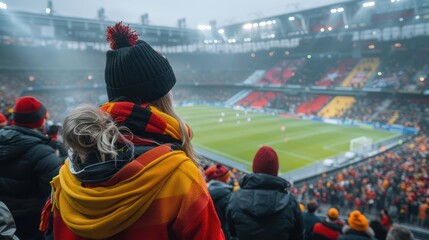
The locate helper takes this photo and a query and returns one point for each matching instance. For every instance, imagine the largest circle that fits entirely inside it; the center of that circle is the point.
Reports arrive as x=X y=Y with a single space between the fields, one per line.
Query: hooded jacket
x=7 y=224
x=264 y=209
x=27 y=165
x=159 y=195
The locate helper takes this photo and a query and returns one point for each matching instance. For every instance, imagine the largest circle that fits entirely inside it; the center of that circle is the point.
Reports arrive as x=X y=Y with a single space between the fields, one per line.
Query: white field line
x=298 y=136
x=312 y=160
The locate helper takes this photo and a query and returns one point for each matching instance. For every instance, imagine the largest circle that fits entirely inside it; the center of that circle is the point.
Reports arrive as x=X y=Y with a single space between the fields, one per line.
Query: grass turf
x=297 y=142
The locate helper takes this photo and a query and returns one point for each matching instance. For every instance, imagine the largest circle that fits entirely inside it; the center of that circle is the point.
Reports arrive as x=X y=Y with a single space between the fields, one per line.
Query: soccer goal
x=361 y=145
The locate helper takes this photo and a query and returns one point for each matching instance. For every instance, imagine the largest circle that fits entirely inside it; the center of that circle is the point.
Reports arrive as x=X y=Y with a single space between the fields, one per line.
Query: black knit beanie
x=134 y=69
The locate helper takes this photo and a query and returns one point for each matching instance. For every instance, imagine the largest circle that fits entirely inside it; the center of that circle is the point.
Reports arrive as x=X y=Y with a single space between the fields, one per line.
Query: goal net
x=361 y=145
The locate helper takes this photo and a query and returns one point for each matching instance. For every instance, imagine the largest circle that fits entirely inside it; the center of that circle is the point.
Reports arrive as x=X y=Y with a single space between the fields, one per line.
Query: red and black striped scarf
x=149 y=125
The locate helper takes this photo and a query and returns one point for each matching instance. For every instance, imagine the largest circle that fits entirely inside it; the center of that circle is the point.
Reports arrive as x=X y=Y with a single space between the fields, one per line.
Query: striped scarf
x=101 y=212
x=148 y=124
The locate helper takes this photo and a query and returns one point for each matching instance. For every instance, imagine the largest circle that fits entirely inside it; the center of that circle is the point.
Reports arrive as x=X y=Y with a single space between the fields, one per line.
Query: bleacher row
x=366 y=109
x=371 y=72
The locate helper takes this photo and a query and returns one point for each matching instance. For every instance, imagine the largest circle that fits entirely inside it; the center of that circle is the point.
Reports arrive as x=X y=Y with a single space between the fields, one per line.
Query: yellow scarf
x=102 y=212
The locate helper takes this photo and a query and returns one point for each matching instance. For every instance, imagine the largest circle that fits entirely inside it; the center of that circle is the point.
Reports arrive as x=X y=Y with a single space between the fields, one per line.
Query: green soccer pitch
x=298 y=142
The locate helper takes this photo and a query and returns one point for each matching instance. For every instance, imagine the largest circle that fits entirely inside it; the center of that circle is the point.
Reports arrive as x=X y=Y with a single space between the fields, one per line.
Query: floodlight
x=291 y=18
x=368 y=4
x=48 y=10
x=221 y=31
x=247 y=26
x=3 y=6
x=204 y=27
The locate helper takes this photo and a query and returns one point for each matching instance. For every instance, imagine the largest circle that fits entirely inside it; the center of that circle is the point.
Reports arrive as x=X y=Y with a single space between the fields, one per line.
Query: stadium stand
x=337 y=107
x=362 y=71
x=282 y=72
x=373 y=72
x=336 y=73
x=314 y=105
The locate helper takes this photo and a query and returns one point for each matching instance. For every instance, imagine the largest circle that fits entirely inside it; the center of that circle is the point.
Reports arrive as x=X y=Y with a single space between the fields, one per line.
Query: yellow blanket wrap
x=102 y=212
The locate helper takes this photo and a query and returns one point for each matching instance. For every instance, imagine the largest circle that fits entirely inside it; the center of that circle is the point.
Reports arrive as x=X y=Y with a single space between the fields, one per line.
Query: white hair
x=87 y=129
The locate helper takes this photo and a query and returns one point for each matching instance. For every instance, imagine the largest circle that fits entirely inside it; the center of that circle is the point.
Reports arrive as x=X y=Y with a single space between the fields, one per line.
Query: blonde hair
x=165 y=104
x=87 y=130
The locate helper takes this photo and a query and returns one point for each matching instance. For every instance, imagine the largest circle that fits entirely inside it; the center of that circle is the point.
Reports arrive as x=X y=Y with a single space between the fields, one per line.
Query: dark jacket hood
x=14 y=139
x=271 y=196
x=218 y=189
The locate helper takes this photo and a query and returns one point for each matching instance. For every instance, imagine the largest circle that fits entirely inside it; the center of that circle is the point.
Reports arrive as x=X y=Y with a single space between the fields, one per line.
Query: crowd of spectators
x=364 y=109
x=287 y=103
x=401 y=71
x=212 y=77
x=408 y=111
x=203 y=94
x=396 y=180
x=60 y=102
x=313 y=70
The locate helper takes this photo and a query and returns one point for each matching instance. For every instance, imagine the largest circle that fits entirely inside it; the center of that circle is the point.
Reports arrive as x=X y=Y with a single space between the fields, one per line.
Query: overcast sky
x=166 y=12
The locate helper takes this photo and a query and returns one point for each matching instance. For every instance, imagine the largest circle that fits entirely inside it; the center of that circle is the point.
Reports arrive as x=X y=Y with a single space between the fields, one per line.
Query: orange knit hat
x=333 y=213
x=358 y=221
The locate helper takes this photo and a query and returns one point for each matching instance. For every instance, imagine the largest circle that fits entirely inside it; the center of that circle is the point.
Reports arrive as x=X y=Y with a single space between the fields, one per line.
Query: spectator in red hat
x=27 y=165
x=3 y=120
x=217 y=177
x=264 y=208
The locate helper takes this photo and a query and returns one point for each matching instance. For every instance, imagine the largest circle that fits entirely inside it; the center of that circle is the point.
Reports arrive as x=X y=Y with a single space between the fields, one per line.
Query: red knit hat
x=3 y=120
x=266 y=161
x=28 y=112
x=217 y=172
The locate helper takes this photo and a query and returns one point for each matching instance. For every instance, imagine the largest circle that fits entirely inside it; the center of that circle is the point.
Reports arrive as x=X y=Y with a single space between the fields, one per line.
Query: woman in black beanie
x=160 y=193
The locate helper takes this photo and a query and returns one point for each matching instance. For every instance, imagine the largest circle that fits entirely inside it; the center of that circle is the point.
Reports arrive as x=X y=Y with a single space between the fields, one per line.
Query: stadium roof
x=167 y=12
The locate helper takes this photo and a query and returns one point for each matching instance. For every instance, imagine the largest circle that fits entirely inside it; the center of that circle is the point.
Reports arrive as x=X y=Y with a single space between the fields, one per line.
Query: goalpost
x=361 y=145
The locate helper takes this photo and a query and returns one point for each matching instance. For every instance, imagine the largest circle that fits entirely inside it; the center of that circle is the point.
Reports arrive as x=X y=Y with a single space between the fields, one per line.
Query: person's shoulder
x=190 y=171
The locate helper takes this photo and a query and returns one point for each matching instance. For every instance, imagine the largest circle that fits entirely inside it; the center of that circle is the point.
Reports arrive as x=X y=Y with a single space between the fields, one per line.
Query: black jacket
x=309 y=220
x=27 y=165
x=350 y=234
x=264 y=209
x=220 y=193
x=326 y=230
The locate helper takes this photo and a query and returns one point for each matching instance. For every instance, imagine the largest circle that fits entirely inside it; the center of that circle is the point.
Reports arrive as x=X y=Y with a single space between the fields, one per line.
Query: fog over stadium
x=229 y=120
x=166 y=12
